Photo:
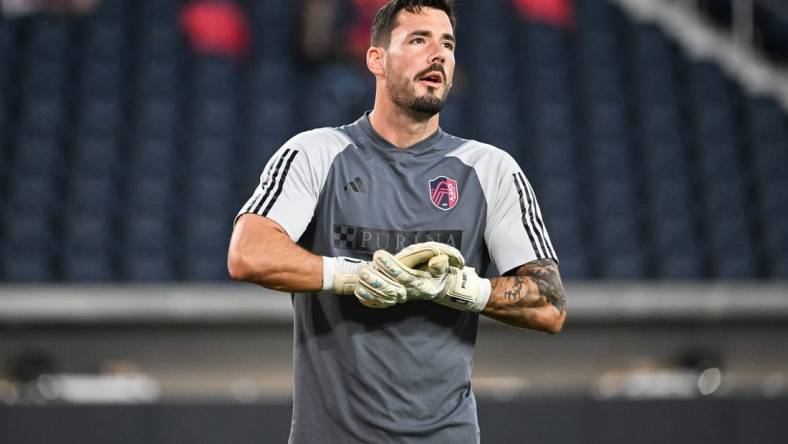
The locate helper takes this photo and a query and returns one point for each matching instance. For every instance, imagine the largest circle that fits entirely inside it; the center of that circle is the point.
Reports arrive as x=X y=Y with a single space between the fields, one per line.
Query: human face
x=420 y=61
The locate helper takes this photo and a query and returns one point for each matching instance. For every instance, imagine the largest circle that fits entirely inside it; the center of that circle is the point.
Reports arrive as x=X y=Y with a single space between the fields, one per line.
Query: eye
x=448 y=45
x=418 y=40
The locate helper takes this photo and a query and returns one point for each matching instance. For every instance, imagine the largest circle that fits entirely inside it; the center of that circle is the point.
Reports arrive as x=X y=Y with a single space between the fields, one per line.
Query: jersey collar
x=429 y=144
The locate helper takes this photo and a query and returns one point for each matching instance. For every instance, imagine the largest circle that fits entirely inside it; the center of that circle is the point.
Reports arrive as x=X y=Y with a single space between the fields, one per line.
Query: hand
x=419 y=254
x=423 y=282
x=456 y=287
x=428 y=261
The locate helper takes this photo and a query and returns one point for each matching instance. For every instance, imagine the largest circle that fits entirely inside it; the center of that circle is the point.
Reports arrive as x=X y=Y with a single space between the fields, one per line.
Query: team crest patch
x=444 y=192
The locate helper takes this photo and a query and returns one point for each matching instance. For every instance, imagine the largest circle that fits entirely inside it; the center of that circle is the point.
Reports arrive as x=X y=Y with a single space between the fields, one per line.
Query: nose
x=438 y=58
x=438 y=55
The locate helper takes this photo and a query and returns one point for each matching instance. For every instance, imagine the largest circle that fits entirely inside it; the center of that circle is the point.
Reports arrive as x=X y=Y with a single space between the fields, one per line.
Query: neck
x=402 y=128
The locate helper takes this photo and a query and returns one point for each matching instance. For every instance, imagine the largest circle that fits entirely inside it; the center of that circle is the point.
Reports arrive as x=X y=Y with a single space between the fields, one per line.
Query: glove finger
x=393 y=268
x=368 y=300
x=374 y=299
x=420 y=253
x=438 y=266
x=376 y=285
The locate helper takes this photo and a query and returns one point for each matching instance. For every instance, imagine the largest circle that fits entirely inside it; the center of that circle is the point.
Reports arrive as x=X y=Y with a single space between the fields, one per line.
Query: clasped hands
x=425 y=271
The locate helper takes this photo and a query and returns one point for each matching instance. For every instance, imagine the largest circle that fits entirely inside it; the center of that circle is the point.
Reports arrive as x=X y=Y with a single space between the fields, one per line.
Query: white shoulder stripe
x=525 y=211
x=546 y=244
x=266 y=178
x=267 y=201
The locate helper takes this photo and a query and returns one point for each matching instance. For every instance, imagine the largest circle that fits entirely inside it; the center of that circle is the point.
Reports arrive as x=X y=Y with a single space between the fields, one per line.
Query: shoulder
x=484 y=157
x=320 y=139
x=319 y=146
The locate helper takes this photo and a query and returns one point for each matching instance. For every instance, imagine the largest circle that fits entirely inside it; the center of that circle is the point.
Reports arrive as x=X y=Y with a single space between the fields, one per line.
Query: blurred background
x=654 y=133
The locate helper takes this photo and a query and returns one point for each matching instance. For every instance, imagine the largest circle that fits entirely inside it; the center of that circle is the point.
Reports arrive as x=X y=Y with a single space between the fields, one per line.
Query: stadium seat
x=50 y=37
x=31 y=190
x=147 y=266
x=27 y=239
x=88 y=227
x=156 y=117
x=208 y=194
x=159 y=11
x=92 y=190
x=103 y=39
x=339 y=94
x=274 y=29
x=156 y=79
x=270 y=79
x=102 y=79
x=150 y=193
x=44 y=115
x=79 y=264
x=31 y=226
x=213 y=118
x=26 y=263
x=159 y=43
x=112 y=10
x=94 y=153
x=212 y=78
x=617 y=247
x=153 y=155
x=145 y=246
x=100 y=116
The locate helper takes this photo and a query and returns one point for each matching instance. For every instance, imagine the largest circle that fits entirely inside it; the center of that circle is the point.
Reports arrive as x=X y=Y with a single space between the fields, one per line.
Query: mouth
x=432 y=79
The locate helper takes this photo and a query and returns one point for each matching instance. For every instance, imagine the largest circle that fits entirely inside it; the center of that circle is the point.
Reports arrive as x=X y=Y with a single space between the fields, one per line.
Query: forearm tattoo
x=533 y=284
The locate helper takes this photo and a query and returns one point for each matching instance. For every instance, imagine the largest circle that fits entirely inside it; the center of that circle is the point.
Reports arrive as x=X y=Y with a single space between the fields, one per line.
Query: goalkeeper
x=381 y=229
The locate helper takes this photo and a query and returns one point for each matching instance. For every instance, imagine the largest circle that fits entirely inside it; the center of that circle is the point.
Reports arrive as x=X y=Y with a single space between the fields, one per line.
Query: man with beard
x=427 y=208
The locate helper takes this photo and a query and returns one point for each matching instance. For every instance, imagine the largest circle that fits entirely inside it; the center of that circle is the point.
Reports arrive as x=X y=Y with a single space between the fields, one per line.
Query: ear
x=376 y=60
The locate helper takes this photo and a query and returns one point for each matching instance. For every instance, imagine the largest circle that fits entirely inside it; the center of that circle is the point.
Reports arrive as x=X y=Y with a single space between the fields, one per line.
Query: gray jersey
x=400 y=374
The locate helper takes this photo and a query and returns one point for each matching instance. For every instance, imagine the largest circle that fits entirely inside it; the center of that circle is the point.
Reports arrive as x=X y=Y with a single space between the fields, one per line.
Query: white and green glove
x=340 y=274
x=426 y=271
x=427 y=259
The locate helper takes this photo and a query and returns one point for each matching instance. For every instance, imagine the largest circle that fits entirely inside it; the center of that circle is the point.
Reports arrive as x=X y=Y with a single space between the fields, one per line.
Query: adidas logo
x=356 y=185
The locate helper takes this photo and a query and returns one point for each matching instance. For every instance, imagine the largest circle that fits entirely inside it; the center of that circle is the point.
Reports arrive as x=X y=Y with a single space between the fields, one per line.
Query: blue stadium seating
x=336 y=94
x=124 y=155
x=22 y=262
x=95 y=191
x=100 y=116
x=156 y=117
x=28 y=242
x=159 y=42
x=103 y=39
x=146 y=236
x=38 y=154
x=767 y=135
x=86 y=264
x=275 y=29
x=102 y=78
x=159 y=11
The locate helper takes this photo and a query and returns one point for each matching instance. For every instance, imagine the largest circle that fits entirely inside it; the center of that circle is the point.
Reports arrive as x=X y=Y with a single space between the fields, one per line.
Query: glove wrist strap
x=339 y=274
x=484 y=296
x=329 y=265
x=466 y=291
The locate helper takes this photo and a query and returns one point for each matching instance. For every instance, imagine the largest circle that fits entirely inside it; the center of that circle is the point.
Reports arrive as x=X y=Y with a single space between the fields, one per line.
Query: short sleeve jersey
x=400 y=374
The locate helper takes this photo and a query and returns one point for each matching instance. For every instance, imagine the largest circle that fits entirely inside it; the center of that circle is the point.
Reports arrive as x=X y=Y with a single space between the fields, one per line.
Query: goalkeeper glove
x=427 y=260
x=340 y=274
x=453 y=286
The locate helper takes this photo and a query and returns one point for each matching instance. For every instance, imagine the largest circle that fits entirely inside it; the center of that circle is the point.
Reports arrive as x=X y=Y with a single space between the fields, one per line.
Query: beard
x=403 y=92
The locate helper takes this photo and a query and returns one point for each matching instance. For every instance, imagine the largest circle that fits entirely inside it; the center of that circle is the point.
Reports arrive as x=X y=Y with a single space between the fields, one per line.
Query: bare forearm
x=262 y=253
x=532 y=298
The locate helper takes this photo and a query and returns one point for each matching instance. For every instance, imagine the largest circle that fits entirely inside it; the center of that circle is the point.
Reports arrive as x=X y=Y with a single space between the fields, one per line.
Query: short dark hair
x=386 y=18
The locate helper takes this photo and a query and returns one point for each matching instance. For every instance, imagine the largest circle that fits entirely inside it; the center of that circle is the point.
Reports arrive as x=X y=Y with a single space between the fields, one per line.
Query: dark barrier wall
x=532 y=421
